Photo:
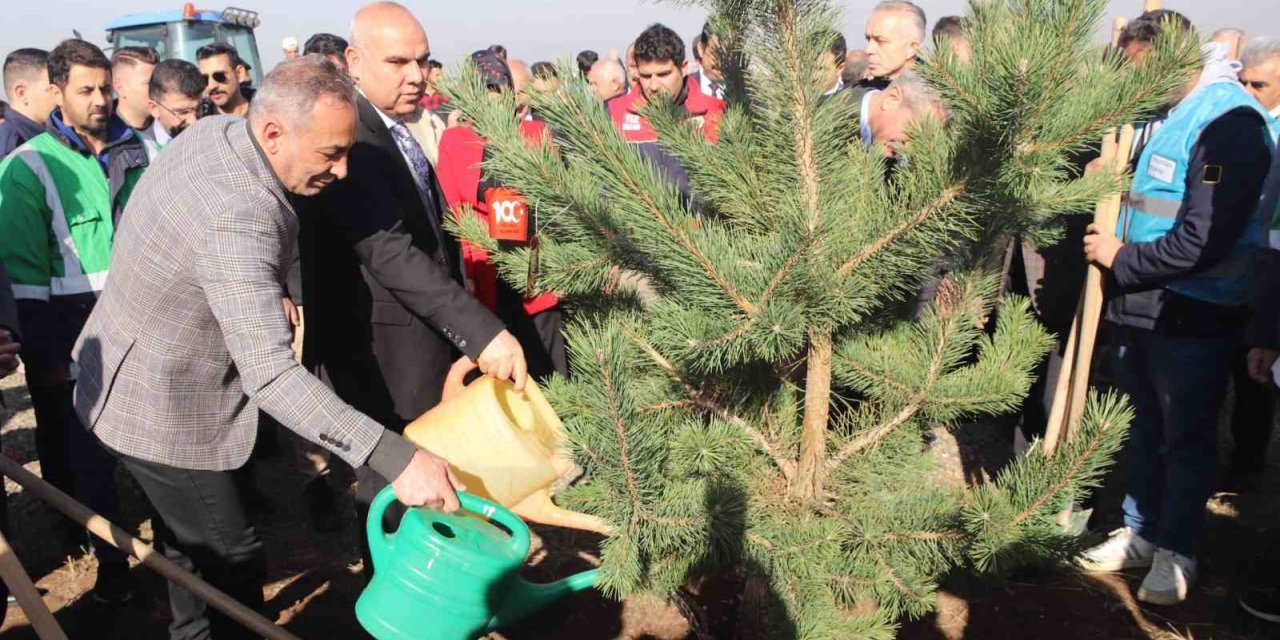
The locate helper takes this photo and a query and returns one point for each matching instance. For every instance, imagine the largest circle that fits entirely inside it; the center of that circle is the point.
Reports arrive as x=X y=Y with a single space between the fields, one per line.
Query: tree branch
x=946 y=197
x=620 y=430
x=708 y=403
x=1085 y=454
x=646 y=198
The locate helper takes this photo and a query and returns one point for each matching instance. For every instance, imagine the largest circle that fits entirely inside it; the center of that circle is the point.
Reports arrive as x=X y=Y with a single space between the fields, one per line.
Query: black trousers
x=72 y=460
x=49 y=392
x=1251 y=418
x=201 y=526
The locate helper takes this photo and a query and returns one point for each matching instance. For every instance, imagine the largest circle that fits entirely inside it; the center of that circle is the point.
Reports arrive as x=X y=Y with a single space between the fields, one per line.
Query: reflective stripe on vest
x=73 y=279
x=1160 y=184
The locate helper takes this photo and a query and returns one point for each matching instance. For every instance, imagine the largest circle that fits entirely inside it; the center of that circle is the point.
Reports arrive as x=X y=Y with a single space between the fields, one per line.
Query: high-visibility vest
x=1160 y=185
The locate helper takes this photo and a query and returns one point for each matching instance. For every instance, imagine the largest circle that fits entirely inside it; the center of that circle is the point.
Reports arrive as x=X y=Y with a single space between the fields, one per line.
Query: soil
x=314 y=578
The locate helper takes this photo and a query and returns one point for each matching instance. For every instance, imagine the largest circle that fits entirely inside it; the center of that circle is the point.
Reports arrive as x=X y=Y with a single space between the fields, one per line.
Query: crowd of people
x=186 y=259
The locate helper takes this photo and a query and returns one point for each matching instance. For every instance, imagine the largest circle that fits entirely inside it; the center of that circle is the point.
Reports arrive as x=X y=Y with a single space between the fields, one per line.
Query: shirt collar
x=1275 y=113
x=159 y=133
x=864 y=118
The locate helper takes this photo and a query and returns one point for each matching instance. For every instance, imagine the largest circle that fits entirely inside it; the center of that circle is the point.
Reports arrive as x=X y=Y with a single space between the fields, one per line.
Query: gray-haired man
x=187 y=341
x=1261 y=73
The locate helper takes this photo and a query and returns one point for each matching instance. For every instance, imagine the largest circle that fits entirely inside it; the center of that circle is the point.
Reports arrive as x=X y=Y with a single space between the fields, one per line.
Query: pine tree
x=750 y=391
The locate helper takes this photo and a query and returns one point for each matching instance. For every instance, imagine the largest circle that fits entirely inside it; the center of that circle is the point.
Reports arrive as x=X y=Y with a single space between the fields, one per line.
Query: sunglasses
x=1255 y=84
x=219 y=77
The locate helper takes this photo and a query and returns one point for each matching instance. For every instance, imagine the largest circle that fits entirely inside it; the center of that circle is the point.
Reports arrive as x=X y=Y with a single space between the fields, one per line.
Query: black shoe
x=322 y=506
x=1241 y=479
x=1262 y=603
x=113 y=587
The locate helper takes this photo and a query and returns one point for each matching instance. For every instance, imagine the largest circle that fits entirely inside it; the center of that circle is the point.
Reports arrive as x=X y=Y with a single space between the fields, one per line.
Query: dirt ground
x=313 y=583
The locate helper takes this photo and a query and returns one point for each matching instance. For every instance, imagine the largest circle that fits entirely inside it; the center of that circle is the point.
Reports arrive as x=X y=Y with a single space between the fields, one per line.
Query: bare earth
x=312 y=587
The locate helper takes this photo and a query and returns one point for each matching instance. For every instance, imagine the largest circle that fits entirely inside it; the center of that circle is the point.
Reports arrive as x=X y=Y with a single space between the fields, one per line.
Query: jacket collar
x=27 y=127
x=257 y=163
x=118 y=133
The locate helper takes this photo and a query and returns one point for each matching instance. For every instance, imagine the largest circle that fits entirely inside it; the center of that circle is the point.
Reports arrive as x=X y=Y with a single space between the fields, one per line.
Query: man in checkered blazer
x=189 y=339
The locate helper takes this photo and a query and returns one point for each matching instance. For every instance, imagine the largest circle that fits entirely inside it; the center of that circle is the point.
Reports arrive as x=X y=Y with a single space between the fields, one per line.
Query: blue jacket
x=1215 y=212
x=16 y=130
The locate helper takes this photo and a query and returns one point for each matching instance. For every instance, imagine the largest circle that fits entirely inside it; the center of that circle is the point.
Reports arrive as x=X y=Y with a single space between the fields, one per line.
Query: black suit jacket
x=387 y=312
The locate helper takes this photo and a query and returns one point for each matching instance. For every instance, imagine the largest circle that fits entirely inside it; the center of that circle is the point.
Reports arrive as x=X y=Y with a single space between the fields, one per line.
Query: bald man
x=521 y=78
x=633 y=73
x=607 y=79
x=387 y=311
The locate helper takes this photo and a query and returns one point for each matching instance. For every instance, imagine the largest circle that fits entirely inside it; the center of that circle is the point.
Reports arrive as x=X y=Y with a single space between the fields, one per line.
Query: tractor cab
x=178 y=34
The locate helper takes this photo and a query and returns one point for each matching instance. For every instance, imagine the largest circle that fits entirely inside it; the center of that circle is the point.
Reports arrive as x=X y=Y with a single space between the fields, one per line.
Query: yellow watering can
x=505 y=446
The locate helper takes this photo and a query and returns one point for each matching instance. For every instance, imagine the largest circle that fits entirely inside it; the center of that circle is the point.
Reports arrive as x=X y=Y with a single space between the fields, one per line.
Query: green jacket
x=59 y=205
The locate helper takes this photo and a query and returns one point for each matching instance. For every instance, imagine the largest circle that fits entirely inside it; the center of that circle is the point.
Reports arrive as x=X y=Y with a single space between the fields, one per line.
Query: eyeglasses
x=1255 y=84
x=219 y=77
x=179 y=113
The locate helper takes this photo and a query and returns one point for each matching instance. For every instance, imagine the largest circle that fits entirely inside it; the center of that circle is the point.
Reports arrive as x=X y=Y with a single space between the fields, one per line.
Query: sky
x=530 y=29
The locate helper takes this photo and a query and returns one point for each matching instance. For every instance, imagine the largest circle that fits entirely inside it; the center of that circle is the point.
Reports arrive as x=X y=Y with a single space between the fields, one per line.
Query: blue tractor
x=178 y=34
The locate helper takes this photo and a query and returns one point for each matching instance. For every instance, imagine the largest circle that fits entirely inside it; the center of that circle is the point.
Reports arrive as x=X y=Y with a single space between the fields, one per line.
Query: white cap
x=290 y=43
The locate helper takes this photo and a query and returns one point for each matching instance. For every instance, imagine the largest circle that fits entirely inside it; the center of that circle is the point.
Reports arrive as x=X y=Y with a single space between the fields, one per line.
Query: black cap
x=492 y=70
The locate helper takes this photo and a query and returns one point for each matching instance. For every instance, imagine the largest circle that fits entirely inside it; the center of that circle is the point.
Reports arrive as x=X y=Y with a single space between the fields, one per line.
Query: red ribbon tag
x=508 y=214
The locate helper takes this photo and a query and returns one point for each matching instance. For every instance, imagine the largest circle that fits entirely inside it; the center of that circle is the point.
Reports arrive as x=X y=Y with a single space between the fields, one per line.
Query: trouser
x=1252 y=417
x=1177 y=386
x=49 y=389
x=368 y=484
x=71 y=459
x=540 y=335
x=201 y=525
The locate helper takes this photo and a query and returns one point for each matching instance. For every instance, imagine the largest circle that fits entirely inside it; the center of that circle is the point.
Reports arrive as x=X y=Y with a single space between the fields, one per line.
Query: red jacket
x=461 y=152
x=702 y=110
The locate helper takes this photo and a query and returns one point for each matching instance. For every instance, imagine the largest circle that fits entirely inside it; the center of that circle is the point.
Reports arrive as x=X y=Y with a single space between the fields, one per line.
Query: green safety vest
x=56 y=210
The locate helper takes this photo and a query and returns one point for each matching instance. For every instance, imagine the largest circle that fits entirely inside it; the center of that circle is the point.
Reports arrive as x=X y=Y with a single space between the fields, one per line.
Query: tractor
x=178 y=34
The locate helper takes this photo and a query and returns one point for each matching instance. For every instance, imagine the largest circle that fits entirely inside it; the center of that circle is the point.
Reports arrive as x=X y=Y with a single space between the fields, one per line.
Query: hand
x=291 y=312
x=428 y=481
x=504 y=360
x=8 y=353
x=1260 y=362
x=1101 y=247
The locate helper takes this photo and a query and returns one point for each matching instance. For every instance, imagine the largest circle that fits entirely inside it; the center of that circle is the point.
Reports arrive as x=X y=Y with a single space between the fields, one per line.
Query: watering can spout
x=525 y=598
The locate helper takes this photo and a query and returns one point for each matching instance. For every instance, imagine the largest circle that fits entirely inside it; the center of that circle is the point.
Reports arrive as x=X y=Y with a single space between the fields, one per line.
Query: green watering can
x=451 y=576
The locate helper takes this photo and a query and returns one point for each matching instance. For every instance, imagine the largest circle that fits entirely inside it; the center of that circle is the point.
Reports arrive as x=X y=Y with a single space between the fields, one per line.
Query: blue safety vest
x=1160 y=185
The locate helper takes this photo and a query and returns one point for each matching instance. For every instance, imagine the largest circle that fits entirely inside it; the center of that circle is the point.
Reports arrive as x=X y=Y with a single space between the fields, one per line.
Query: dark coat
x=387 y=312
x=8 y=310
x=15 y=130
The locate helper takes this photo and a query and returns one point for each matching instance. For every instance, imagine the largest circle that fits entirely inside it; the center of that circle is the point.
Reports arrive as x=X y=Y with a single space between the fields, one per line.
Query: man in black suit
x=387 y=312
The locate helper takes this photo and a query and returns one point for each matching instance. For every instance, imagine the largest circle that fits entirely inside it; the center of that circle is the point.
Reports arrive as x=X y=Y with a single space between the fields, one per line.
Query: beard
x=96 y=127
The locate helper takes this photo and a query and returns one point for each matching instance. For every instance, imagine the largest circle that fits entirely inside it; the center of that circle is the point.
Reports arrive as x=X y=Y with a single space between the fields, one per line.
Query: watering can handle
x=379 y=540
x=497 y=513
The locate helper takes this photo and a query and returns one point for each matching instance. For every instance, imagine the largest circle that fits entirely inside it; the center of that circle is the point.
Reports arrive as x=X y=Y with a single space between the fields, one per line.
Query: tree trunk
x=811 y=471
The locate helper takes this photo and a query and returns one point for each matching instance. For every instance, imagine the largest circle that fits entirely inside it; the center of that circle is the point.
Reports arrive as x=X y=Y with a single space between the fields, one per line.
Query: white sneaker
x=1125 y=549
x=1169 y=580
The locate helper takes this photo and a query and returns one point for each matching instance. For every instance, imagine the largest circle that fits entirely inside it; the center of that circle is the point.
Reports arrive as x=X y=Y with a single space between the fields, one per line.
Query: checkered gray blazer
x=189 y=339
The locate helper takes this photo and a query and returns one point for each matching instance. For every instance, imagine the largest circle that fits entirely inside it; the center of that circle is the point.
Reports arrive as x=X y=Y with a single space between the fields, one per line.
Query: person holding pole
x=188 y=342
x=1180 y=278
